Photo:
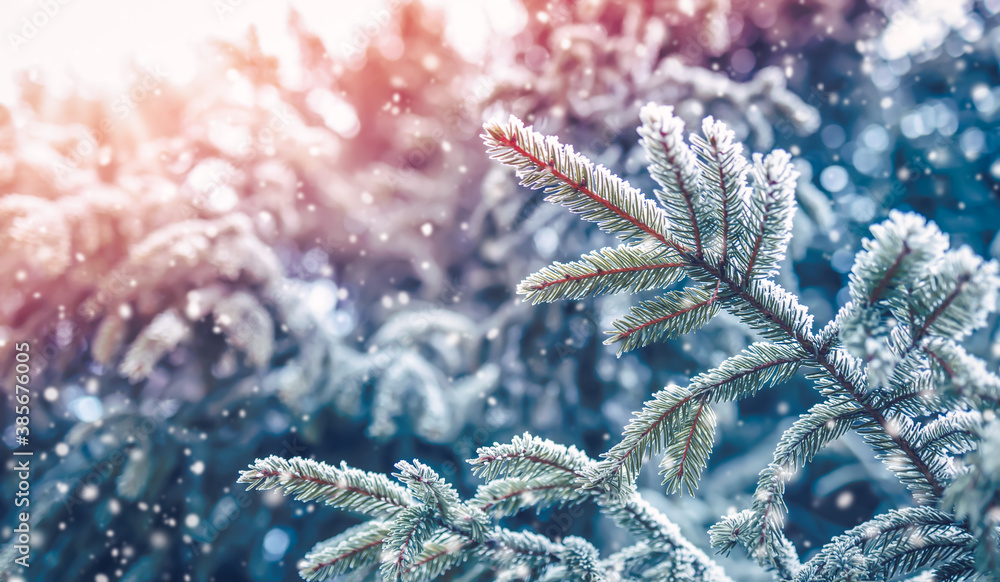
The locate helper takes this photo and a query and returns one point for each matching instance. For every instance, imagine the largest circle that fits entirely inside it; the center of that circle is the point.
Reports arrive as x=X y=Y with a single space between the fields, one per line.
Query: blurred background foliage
x=313 y=256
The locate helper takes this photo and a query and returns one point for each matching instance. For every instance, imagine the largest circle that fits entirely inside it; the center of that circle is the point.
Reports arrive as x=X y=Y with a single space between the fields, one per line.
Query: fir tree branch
x=448 y=508
x=532 y=458
x=649 y=525
x=771 y=208
x=888 y=276
x=579 y=561
x=650 y=431
x=962 y=290
x=414 y=532
x=674 y=167
x=438 y=555
x=770 y=310
x=961 y=375
x=835 y=366
x=507 y=496
x=724 y=167
x=961 y=293
x=528 y=456
x=429 y=488
x=974 y=496
x=690 y=453
x=571 y=180
x=822 y=424
x=841 y=372
x=953 y=433
x=759 y=366
x=959 y=568
x=628 y=268
x=355 y=548
x=898 y=542
x=909 y=473
x=344 y=487
x=900 y=249
x=409 y=530
x=670 y=315
x=503 y=547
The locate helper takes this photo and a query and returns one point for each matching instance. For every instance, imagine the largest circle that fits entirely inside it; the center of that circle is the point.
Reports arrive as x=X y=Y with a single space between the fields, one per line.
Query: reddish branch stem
x=889 y=274
x=344 y=556
x=584 y=189
x=526 y=490
x=690 y=437
x=336 y=485
x=532 y=458
x=696 y=259
x=668 y=317
x=599 y=273
x=757 y=242
x=922 y=330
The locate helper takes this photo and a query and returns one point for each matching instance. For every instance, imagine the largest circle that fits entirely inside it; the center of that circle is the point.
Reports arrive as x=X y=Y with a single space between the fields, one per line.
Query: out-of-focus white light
x=833 y=178
x=87 y=408
x=833 y=136
x=223 y=199
x=866 y=161
x=94 y=41
x=337 y=114
x=945 y=119
x=995 y=169
x=276 y=544
x=922 y=25
x=972 y=142
x=875 y=138
x=322 y=297
x=546 y=242
x=470 y=23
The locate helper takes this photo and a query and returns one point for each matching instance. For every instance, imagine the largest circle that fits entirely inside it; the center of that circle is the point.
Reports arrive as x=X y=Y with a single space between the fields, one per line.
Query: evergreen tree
x=890 y=366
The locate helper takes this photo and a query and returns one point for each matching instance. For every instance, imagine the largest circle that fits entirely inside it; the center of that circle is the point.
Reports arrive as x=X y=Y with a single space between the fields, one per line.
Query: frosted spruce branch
x=544 y=163
x=890 y=367
x=724 y=223
x=421 y=528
